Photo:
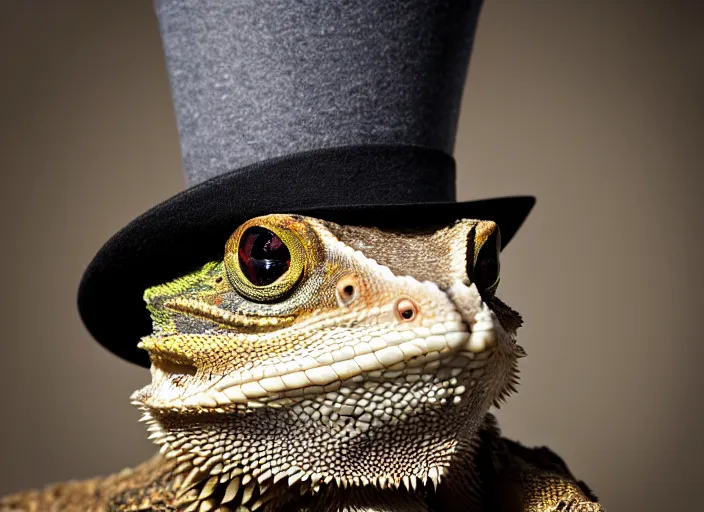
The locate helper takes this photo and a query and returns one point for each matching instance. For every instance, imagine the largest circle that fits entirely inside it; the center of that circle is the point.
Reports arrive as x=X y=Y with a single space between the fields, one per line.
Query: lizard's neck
x=280 y=464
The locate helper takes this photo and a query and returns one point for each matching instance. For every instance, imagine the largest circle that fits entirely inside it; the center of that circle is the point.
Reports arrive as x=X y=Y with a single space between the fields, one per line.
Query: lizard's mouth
x=179 y=384
x=166 y=367
x=265 y=371
x=240 y=322
x=171 y=380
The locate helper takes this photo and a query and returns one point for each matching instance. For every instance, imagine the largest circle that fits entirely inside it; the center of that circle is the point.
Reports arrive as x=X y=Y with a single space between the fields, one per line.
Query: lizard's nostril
x=406 y=310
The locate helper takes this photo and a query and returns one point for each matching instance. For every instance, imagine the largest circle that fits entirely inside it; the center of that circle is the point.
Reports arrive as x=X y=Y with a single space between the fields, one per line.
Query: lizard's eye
x=483 y=248
x=264 y=264
x=263 y=256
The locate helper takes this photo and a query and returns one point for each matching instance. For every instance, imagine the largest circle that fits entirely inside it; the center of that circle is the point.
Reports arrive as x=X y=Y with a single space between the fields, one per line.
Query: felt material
x=257 y=79
x=354 y=185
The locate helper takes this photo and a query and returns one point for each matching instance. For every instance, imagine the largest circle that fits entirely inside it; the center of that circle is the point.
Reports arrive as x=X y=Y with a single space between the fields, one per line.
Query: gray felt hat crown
x=257 y=79
x=344 y=110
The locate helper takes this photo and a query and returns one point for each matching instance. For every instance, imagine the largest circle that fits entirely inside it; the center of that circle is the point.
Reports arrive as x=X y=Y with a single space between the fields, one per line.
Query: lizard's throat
x=386 y=430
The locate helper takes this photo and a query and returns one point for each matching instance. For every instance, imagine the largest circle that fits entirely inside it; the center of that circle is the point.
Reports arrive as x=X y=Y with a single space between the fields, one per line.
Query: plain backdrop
x=594 y=107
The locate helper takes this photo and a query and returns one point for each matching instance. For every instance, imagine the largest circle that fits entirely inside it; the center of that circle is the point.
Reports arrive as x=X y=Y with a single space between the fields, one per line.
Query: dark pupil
x=263 y=256
x=486 y=272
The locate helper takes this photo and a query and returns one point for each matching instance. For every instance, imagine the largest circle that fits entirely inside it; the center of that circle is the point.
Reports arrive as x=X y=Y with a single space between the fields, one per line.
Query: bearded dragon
x=321 y=367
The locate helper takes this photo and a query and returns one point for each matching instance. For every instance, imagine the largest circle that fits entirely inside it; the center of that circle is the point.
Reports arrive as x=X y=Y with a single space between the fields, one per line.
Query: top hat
x=344 y=111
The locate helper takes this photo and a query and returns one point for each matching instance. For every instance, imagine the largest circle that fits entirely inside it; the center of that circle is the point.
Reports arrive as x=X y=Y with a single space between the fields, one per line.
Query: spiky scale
x=231 y=491
x=187 y=497
x=182 y=467
x=315 y=479
x=292 y=479
x=263 y=477
x=193 y=478
x=208 y=488
x=248 y=492
x=193 y=507
x=207 y=505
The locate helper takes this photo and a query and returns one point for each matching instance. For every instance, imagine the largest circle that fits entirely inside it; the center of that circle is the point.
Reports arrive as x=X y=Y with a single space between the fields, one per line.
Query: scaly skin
x=355 y=375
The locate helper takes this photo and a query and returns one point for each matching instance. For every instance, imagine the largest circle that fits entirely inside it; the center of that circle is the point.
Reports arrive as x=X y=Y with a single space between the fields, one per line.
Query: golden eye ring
x=264 y=262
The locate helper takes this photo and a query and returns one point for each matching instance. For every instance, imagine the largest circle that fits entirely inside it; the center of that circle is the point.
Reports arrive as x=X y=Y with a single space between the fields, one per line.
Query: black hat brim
x=188 y=230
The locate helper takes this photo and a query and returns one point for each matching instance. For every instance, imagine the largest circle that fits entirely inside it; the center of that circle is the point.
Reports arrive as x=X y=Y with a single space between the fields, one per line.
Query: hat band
x=351 y=175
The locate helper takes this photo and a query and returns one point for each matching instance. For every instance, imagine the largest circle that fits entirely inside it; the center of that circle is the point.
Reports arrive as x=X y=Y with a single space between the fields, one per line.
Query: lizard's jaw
x=170 y=380
x=179 y=384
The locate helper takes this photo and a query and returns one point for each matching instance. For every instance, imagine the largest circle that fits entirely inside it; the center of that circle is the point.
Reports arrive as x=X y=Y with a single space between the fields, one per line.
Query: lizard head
x=321 y=354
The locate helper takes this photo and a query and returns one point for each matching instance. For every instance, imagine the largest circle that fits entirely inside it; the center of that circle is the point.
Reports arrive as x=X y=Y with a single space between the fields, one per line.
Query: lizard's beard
x=412 y=427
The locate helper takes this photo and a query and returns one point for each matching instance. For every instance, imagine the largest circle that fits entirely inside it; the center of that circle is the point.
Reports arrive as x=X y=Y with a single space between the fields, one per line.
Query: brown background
x=595 y=107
